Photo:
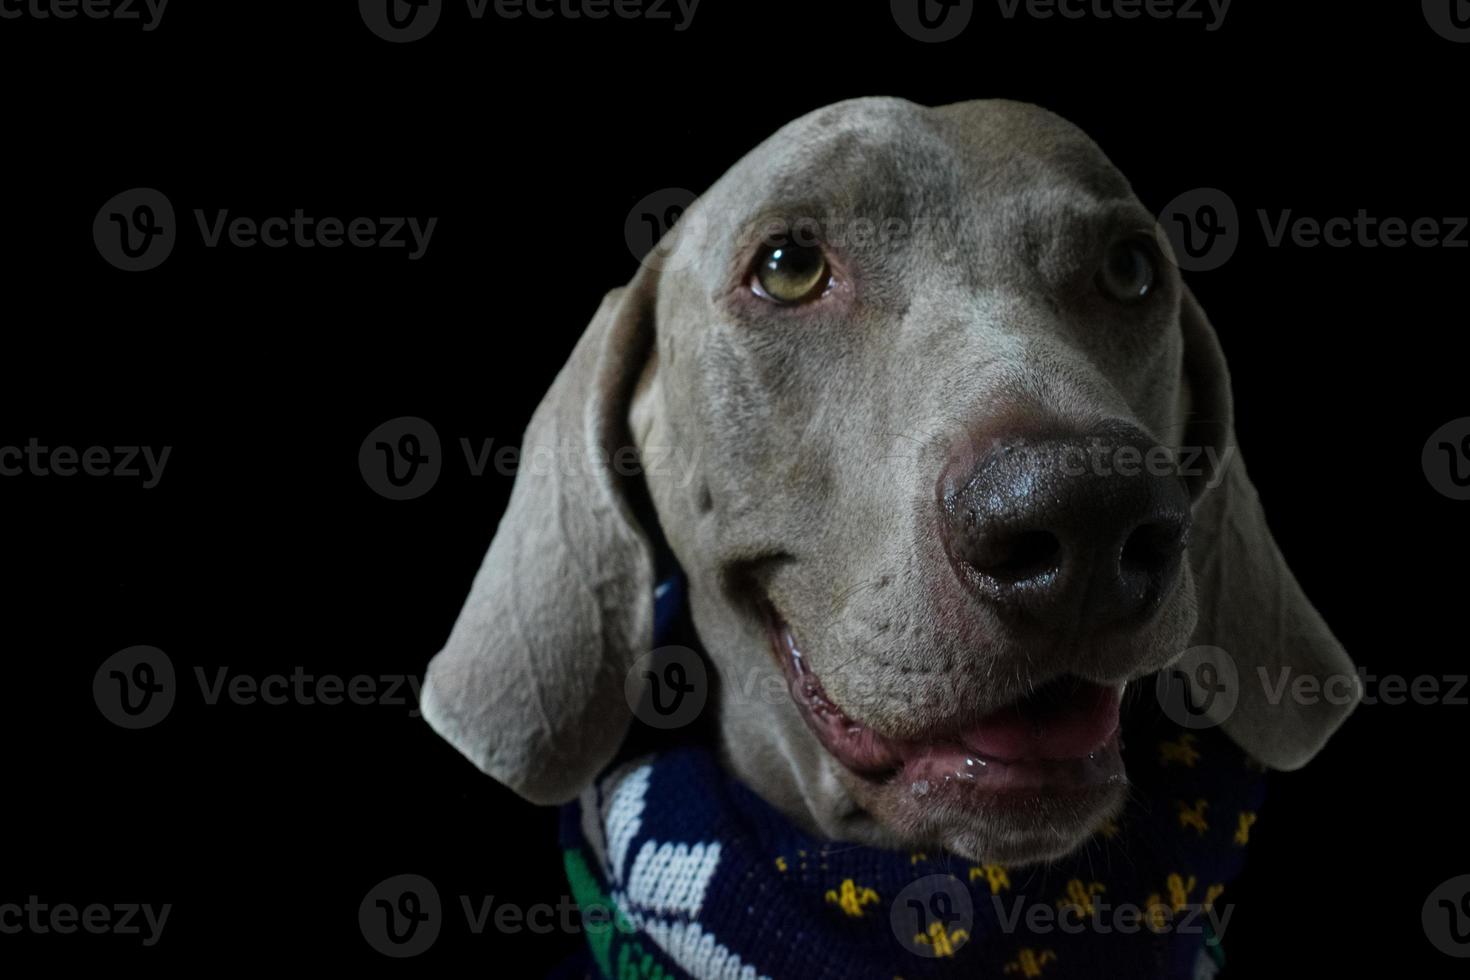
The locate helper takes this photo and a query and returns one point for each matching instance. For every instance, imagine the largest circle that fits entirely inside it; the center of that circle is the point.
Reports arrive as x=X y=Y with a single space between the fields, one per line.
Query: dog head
x=957 y=466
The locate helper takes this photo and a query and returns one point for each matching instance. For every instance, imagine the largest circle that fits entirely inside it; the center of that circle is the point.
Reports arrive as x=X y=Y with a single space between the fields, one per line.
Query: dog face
x=961 y=469
x=881 y=425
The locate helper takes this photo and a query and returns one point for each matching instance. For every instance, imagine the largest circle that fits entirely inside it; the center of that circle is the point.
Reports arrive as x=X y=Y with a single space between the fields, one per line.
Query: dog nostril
x=1151 y=546
x=1043 y=544
x=1021 y=556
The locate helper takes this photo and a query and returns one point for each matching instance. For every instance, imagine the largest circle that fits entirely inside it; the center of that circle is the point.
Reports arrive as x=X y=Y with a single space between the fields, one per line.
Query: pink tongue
x=1065 y=725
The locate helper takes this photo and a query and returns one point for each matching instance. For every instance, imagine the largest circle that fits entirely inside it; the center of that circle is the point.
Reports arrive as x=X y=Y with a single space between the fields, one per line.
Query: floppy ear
x=530 y=684
x=1250 y=604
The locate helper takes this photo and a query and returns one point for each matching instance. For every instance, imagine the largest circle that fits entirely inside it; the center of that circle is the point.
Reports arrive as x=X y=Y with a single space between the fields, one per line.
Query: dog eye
x=1128 y=272
x=789 y=273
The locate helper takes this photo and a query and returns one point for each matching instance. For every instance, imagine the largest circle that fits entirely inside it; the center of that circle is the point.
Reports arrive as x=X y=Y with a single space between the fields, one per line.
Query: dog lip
x=1065 y=720
x=853 y=743
x=1065 y=735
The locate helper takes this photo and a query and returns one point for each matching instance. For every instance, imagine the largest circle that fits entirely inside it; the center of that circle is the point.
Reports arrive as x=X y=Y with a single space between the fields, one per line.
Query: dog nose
x=1077 y=531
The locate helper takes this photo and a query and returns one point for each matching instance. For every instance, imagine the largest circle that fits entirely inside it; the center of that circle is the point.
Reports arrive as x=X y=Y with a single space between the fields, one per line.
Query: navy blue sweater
x=681 y=871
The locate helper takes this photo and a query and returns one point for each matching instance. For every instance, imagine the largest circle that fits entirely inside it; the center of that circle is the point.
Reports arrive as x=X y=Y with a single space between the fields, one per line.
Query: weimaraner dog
x=908 y=507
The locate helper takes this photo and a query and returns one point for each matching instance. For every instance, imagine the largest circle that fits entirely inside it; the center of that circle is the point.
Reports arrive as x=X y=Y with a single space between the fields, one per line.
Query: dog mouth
x=1061 y=740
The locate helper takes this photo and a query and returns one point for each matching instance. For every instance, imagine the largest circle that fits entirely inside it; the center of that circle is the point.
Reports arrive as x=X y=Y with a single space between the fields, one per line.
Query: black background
x=262 y=549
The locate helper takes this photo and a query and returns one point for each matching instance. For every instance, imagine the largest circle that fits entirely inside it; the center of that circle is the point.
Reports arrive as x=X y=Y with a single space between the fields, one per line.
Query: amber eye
x=1128 y=272
x=788 y=273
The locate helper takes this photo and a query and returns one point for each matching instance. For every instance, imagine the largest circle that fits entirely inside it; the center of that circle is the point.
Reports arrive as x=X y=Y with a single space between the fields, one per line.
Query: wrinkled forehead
x=972 y=171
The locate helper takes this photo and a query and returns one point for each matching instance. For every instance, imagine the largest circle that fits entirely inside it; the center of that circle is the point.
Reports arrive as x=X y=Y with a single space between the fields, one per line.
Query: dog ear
x=1250 y=604
x=530 y=684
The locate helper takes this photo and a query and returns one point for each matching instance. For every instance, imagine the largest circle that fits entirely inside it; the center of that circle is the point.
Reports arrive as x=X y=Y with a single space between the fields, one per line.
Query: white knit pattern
x=625 y=816
x=672 y=878
x=665 y=879
x=695 y=951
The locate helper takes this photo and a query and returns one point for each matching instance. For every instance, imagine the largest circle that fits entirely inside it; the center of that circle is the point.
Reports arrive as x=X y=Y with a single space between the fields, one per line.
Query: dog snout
x=1079 y=531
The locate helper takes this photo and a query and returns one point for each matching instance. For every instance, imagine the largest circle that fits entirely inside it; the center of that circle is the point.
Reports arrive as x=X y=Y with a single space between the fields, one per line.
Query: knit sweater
x=682 y=871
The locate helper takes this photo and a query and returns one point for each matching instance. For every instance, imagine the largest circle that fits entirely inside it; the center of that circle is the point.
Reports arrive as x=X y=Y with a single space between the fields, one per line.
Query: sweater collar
x=703 y=878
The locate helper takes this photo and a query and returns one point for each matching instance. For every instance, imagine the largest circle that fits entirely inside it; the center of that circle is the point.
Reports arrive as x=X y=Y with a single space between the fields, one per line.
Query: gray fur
x=817 y=434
